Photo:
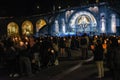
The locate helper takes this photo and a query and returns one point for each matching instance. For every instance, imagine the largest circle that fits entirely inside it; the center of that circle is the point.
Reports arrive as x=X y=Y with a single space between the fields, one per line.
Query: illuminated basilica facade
x=92 y=19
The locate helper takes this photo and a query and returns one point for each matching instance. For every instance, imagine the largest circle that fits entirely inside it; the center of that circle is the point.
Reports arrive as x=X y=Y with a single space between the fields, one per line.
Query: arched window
x=39 y=24
x=27 y=28
x=12 y=29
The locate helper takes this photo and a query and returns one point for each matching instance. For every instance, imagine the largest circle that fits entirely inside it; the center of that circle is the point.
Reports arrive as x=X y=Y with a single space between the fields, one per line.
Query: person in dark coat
x=62 y=46
x=114 y=58
x=98 y=58
x=11 y=60
x=24 y=60
x=46 y=45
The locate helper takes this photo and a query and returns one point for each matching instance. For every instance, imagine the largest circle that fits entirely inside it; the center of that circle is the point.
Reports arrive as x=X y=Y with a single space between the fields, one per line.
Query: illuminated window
x=56 y=27
x=27 y=28
x=113 y=23
x=39 y=24
x=12 y=29
x=103 y=23
x=63 y=26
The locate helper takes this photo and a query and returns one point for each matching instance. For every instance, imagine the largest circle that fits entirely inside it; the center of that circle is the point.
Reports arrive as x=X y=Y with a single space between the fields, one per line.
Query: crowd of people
x=106 y=50
x=26 y=55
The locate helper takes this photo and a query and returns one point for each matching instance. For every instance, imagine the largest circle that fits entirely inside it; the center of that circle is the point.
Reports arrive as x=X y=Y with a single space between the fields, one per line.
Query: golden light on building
x=27 y=28
x=39 y=24
x=12 y=29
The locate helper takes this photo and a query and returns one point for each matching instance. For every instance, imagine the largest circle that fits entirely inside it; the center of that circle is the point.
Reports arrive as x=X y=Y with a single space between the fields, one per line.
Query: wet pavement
x=68 y=69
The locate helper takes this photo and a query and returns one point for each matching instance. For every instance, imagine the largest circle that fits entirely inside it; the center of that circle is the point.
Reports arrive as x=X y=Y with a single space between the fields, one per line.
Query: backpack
x=83 y=41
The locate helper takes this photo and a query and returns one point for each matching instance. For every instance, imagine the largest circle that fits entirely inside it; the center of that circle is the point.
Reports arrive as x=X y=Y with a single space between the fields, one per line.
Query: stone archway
x=39 y=24
x=27 y=28
x=82 y=21
x=12 y=29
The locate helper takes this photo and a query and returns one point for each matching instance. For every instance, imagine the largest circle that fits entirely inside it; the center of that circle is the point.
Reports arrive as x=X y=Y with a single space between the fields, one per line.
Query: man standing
x=84 y=43
x=114 y=58
x=98 y=58
x=68 y=47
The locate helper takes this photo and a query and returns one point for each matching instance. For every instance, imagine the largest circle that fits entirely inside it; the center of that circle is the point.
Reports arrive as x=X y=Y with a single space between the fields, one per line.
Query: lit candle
x=21 y=43
x=92 y=47
x=104 y=46
x=118 y=41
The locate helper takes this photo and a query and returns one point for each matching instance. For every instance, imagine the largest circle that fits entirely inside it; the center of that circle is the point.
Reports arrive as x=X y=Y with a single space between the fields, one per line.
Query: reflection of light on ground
x=90 y=59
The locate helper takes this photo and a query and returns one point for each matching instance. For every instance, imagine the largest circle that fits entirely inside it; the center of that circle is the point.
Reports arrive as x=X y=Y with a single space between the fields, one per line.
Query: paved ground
x=68 y=69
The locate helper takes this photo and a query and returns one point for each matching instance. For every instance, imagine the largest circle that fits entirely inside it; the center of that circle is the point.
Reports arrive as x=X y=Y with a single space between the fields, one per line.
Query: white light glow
x=63 y=26
x=68 y=14
x=74 y=18
x=56 y=27
x=94 y=9
x=113 y=23
x=103 y=26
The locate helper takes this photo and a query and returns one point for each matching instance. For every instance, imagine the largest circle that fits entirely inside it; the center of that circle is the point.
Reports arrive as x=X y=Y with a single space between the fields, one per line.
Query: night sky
x=33 y=7
x=25 y=7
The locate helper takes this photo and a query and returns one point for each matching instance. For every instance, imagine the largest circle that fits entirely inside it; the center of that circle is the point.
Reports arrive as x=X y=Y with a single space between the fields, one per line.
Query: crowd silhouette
x=26 y=55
